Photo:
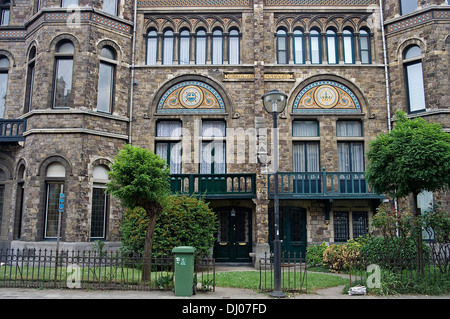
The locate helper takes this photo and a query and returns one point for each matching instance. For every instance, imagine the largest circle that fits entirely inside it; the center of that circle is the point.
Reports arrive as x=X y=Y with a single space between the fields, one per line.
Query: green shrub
x=343 y=256
x=314 y=257
x=185 y=221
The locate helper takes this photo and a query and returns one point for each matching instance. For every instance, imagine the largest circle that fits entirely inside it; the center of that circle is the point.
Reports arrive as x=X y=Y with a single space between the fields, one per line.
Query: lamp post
x=275 y=102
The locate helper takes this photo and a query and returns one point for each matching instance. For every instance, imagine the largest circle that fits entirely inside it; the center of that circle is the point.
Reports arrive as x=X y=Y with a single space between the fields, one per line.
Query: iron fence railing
x=293 y=272
x=92 y=269
x=395 y=274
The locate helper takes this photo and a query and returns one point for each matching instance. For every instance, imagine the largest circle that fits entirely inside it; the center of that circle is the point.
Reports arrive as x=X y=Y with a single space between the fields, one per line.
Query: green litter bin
x=184 y=270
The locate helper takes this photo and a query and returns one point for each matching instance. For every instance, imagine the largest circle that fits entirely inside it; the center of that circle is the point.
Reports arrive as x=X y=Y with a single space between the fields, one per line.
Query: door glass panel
x=242 y=226
x=223 y=234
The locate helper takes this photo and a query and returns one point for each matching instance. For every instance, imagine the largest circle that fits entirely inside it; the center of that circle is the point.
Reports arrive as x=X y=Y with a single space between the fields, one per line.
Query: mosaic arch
x=191 y=97
x=326 y=96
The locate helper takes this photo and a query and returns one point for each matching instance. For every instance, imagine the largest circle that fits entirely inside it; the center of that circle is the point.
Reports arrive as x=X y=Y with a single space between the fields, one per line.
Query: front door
x=233 y=243
x=292 y=229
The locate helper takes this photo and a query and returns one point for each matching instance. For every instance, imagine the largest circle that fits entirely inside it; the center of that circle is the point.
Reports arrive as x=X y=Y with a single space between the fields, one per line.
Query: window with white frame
x=62 y=86
x=364 y=46
x=332 y=46
x=415 y=87
x=169 y=144
x=407 y=6
x=200 y=47
x=30 y=80
x=5 y=11
x=106 y=79
x=100 y=202
x=299 y=47
x=234 y=47
x=315 y=47
x=152 y=47
x=56 y=173
x=217 y=47
x=349 y=54
x=185 y=47
x=213 y=153
x=111 y=7
x=282 y=47
x=4 y=68
x=67 y=3
x=168 y=47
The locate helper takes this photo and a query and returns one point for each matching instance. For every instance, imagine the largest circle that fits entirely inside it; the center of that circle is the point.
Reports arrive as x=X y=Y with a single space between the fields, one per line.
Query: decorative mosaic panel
x=191 y=97
x=193 y=3
x=320 y=2
x=418 y=19
x=326 y=96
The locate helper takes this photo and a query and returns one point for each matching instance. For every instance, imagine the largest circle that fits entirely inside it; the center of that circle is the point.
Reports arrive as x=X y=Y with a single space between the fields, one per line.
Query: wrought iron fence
x=92 y=269
x=393 y=274
x=293 y=272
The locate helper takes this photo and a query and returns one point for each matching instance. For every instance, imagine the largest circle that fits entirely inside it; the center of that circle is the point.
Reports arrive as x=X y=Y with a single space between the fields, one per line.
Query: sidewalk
x=219 y=293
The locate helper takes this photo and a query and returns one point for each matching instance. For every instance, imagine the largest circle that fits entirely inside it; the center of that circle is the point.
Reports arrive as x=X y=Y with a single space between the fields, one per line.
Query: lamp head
x=274 y=101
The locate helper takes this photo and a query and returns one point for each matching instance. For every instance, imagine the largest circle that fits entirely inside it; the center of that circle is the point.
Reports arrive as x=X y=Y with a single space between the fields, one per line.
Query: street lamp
x=275 y=102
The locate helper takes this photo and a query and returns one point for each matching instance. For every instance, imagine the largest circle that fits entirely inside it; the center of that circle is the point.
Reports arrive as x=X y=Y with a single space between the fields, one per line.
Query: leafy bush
x=314 y=257
x=343 y=256
x=184 y=221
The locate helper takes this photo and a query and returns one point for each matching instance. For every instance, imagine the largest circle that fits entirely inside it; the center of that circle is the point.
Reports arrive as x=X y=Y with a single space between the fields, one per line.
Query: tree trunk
x=418 y=234
x=153 y=212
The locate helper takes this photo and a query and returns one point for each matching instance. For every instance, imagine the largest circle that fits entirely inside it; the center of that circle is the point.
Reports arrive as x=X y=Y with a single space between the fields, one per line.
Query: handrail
x=12 y=130
x=321 y=184
x=214 y=184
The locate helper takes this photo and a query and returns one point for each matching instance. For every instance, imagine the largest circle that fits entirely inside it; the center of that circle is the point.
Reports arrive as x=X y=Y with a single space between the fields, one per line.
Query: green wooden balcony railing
x=214 y=185
x=12 y=130
x=317 y=185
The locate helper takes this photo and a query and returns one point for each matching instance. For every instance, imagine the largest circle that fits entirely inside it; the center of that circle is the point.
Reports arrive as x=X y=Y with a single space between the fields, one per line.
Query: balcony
x=12 y=130
x=322 y=185
x=214 y=186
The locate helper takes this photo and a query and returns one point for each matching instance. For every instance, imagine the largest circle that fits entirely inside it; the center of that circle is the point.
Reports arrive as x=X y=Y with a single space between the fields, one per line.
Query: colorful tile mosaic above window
x=320 y=2
x=191 y=97
x=326 y=96
x=193 y=3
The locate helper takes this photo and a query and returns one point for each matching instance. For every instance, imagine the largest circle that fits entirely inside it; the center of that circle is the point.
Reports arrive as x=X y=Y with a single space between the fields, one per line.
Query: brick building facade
x=185 y=80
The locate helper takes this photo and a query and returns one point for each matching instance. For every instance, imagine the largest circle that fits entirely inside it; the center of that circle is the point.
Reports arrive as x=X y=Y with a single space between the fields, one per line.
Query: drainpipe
x=386 y=74
x=132 y=73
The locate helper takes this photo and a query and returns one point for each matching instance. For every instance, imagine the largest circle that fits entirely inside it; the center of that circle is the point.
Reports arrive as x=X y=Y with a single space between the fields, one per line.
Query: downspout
x=132 y=73
x=386 y=73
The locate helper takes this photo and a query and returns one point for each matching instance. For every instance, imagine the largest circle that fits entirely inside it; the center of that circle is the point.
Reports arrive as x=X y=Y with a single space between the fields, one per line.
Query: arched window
x=62 y=86
x=415 y=87
x=5 y=10
x=217 y=47
x=299 y=44
x=349 y=54
x=106 y=79
x=30 y=79
x=200 y=47
x=407 y=6
x=111 y=7
x=152 y=47
x=168 y=47
x=4 y=68
x=56 y=173
x=282 y=47
x=185 y=47
x=315 y=47
x=364 y=46
x=100 y=203
x=332 y=47
x=234 y=47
